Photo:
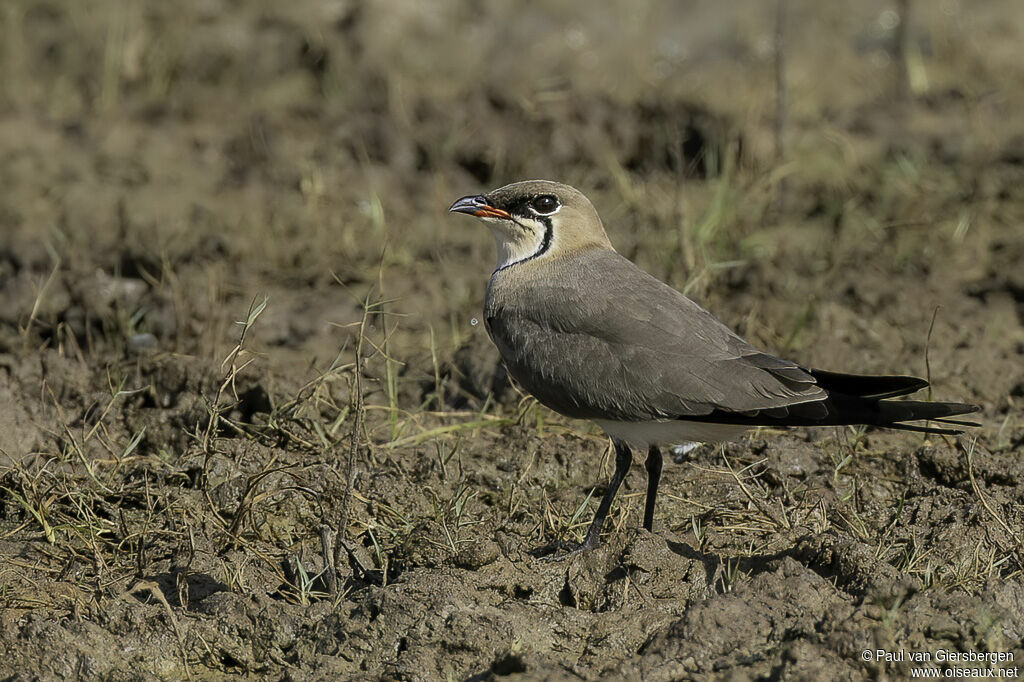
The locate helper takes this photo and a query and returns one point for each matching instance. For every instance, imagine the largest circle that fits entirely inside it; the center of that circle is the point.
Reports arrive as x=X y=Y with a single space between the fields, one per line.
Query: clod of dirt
x=475 y=554
x=853 y=565
x=742 y=628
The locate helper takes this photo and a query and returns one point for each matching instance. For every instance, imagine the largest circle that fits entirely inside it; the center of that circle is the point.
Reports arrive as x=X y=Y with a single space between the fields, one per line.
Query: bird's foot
x=560 y=550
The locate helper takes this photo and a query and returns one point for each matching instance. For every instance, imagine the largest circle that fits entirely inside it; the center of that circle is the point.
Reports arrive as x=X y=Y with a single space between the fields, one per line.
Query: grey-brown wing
x=599 y=338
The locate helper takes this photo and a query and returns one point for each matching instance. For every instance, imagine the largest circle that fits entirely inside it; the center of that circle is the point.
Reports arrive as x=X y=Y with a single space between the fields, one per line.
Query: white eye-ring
x=544 y=204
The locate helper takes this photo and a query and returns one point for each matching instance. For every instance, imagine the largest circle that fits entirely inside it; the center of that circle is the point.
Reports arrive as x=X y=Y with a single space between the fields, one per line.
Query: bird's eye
x=545 y=204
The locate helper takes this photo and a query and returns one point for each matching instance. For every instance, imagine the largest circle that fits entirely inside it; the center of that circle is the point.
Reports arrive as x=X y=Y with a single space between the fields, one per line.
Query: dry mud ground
x=167 y=473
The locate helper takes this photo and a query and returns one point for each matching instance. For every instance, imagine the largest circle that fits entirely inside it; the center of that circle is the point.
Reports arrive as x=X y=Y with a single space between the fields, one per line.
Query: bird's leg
x=623 y=460
x=653 y=467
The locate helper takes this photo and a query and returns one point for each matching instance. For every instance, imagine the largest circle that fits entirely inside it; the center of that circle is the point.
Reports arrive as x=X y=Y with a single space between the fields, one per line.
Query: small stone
x=142 y=343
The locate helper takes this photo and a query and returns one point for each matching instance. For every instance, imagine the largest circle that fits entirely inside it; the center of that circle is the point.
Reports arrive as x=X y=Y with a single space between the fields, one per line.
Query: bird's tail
x=864 y=398
x=894 y=413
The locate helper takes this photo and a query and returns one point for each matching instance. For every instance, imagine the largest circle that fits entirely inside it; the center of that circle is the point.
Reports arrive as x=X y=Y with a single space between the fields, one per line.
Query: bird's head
x=536 y=219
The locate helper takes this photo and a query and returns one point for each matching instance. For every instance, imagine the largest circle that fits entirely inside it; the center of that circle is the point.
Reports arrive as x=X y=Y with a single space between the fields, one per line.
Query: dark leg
x=653 y=476
x=623 y=460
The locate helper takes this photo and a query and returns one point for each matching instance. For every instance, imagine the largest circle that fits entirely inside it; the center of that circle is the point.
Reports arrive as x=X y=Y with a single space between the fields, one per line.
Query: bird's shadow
x=714 y=564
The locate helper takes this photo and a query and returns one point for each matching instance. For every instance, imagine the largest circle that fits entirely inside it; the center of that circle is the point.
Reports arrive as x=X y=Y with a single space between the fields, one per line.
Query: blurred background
x=226 y=262
x=211 y=151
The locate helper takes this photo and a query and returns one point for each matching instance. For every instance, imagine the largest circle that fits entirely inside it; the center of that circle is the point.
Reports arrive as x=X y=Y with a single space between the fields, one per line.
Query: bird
x=593 y=336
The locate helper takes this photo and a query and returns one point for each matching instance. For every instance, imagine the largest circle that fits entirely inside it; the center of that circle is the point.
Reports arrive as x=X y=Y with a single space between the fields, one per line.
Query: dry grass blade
x=154 y=590
x=782 y=522
x=1016 y=550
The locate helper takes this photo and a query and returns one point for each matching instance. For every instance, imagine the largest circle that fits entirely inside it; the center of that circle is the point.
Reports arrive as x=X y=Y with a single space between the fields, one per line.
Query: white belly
x=645 y=434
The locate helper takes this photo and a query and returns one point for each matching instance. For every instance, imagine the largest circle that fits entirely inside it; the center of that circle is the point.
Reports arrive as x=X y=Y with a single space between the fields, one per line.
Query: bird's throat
x=518 y=248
